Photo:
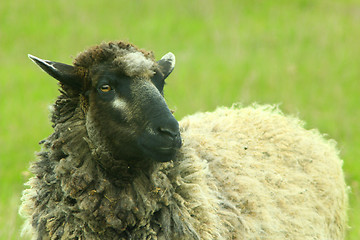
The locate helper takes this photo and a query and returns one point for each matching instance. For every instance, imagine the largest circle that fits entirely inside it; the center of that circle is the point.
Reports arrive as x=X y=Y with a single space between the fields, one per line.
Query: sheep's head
x=125 y=109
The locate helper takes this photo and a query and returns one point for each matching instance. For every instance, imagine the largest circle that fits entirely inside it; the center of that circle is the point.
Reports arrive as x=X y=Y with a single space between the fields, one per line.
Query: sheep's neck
x=146 y=205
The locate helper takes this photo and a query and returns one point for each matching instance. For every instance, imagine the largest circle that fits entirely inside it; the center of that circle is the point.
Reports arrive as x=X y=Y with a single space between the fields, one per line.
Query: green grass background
x=301 y=54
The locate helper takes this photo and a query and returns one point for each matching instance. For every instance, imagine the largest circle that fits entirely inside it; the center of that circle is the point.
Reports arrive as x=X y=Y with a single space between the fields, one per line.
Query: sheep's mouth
x=165 y=149
x=160 y=152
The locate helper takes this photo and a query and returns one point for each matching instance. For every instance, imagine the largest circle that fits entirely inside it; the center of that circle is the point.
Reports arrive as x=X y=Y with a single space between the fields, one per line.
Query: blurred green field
x=301 y=54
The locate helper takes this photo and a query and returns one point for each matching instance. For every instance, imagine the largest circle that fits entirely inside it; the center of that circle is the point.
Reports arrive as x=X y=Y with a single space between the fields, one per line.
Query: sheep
x=119 y=166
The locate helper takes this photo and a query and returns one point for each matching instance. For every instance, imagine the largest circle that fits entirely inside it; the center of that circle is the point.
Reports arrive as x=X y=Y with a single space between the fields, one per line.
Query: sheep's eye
x=105 y=88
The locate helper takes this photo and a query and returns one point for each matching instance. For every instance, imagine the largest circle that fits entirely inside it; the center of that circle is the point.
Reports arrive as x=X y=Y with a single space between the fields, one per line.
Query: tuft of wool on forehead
x=135 y=64
x=132 y=60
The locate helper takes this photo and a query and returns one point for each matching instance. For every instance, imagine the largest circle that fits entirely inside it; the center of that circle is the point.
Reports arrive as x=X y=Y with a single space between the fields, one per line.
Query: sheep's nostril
x=169 y=132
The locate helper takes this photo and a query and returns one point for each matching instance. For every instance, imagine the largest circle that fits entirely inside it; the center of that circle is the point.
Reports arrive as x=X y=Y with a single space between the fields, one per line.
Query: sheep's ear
x=60 y=71
x=167 y=64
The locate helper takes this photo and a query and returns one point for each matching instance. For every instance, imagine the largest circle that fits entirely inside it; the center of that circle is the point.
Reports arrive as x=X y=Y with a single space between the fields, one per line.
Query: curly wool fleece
x=273 y=178
x=242 y=173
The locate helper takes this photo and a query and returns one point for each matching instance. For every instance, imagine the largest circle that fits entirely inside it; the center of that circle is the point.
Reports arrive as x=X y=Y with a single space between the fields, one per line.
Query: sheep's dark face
x=127 y=113
x=131 y=114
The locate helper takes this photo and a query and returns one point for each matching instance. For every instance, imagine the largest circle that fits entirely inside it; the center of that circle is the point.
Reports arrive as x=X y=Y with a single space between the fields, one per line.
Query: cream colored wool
x=252 y=173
